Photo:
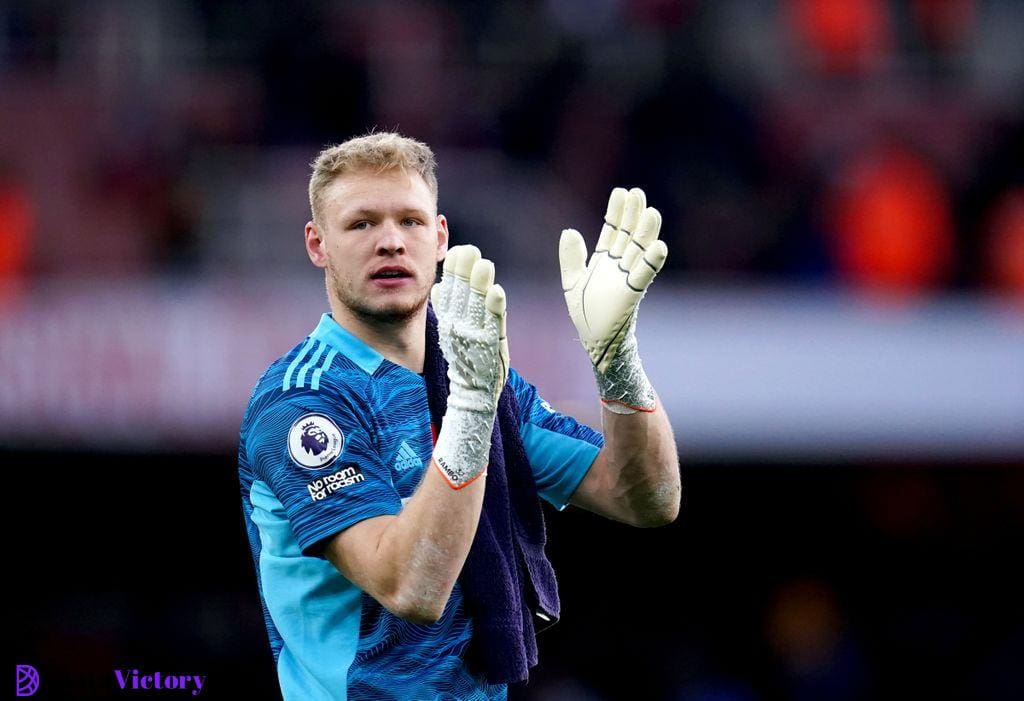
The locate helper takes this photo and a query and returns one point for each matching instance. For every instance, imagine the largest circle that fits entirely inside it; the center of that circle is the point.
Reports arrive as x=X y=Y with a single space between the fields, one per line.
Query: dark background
x=820 y=581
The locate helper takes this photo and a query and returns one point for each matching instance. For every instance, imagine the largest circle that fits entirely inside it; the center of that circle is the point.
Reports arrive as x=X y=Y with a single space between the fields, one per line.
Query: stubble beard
x=388 y=311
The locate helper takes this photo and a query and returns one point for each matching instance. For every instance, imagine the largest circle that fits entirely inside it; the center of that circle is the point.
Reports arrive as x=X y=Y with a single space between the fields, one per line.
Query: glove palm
x=470 y=312
x=603 y=295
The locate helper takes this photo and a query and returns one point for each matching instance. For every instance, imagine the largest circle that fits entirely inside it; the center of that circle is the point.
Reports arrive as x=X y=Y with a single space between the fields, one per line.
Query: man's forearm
x=428 y=543
x=642 y=450
x=426 y=546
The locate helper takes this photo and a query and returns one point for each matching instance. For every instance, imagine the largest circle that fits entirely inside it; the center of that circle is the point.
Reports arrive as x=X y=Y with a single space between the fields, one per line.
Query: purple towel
x=508 y=585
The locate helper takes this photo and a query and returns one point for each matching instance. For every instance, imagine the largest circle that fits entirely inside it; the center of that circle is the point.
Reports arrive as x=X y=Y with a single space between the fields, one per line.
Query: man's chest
x=405 y=440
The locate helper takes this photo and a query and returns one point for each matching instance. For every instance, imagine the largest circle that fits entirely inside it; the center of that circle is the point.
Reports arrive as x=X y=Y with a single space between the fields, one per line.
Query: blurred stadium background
x=838 y=334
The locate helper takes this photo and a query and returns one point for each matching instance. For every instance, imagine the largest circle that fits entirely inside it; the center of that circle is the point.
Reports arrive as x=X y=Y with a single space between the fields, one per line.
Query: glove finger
x=468 y=256
x=646 y=233
x=480 y=281
x=649 y=227
x=453 y=295
x=645 y=268
x=612 y=217
x=642 y=195
x=496 y=305
x=482 y=277
x=451 y=259
x=505 y=362
x=442 y=303
x=572 y=257
x=435 y=297
x=631 y=210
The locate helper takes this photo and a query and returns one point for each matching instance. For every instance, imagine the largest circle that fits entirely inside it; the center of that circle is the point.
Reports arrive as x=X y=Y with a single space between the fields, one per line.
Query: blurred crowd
x=864 y=142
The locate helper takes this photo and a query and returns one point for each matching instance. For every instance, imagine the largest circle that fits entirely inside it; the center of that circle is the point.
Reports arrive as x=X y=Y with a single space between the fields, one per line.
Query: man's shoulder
x=517 y=381
x=311 y=375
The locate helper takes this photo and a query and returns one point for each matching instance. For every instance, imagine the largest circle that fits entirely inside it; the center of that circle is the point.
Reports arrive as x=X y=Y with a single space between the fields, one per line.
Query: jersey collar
x=330 y=332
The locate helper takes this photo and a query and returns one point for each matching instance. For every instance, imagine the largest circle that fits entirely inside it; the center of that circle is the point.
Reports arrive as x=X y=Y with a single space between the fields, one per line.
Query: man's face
x=380 y=241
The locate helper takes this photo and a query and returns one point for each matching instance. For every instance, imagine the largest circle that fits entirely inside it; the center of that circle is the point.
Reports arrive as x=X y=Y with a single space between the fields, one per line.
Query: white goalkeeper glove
x=470 y=311
x=603 y=295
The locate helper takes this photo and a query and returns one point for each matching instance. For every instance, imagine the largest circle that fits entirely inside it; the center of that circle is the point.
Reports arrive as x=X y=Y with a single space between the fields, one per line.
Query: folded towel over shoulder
x=509 y=587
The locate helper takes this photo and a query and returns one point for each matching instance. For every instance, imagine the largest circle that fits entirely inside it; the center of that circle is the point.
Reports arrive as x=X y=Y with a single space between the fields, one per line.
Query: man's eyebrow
x=371 y=213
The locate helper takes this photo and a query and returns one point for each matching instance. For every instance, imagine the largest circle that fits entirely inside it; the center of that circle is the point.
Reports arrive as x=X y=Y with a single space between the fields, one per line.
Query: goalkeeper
x=392 y=463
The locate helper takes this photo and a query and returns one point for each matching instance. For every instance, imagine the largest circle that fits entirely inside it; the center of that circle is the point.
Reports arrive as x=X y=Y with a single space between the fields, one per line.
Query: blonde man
x=365 y=457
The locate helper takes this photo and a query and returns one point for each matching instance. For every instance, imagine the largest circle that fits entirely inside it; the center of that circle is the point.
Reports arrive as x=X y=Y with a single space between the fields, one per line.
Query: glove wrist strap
x=463 y=445
x=624 y=387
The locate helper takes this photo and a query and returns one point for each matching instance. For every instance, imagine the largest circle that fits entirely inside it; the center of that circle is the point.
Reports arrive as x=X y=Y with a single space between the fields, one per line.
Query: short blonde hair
x=377 y=152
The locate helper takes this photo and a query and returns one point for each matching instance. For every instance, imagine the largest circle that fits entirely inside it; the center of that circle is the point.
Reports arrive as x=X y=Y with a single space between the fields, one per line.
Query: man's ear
x=442 y=237
x=316 y=247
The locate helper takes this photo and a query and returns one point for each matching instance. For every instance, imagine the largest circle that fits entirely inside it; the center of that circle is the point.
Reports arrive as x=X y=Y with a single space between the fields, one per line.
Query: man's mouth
x=390 y=273
x=391 y=276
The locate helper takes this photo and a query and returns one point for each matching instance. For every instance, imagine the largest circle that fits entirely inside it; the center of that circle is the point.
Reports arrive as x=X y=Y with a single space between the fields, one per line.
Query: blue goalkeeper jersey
x=334 y=433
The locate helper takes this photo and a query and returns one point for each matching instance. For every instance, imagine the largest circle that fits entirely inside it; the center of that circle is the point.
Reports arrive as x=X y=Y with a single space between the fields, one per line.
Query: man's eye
x=409 y=221
x=361 y=225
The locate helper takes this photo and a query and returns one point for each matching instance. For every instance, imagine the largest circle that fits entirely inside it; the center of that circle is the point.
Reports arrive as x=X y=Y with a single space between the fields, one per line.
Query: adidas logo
x=406 y=457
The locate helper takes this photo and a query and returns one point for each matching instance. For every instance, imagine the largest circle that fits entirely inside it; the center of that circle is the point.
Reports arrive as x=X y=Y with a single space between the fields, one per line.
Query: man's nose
x=391 y=240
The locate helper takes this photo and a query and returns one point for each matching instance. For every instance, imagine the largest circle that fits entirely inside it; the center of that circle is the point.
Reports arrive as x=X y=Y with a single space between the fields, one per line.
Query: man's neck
x=401 y=342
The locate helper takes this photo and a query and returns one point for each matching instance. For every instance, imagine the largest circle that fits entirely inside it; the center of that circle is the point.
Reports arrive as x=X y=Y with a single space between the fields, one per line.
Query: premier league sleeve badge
x=315 y=441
